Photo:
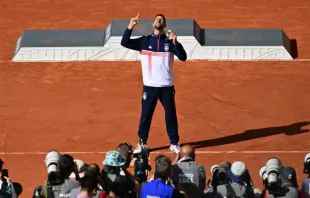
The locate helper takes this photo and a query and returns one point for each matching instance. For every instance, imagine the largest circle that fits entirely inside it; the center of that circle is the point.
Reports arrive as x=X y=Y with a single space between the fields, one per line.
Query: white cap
x=238 y=168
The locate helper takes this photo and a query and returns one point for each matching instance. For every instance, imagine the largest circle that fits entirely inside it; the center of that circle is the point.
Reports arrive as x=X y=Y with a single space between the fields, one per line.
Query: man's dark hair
x=165 y=21
x=162 y=167
x=92 y=170
x=89 y=183
x=159 y=157
x=66 y=164
x=126 y=152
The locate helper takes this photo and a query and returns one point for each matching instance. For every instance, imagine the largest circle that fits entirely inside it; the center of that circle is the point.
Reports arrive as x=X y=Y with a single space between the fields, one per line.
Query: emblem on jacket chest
x=166 y=47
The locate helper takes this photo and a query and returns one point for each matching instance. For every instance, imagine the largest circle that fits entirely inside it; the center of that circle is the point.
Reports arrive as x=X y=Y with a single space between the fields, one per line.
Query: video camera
x=270 y=175
x=51 y=163
x=141 y=166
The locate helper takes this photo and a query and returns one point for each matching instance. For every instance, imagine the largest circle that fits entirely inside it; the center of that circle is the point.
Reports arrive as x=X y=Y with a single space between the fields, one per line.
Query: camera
x=142 y=167
x=51 y=163
x=270 y=175
x=218 y=176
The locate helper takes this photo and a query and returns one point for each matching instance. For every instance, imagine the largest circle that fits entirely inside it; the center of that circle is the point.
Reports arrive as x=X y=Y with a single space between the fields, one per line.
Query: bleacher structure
x=104 y=44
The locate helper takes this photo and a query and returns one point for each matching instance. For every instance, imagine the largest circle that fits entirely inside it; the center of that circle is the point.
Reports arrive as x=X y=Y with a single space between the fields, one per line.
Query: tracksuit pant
x=149 y=101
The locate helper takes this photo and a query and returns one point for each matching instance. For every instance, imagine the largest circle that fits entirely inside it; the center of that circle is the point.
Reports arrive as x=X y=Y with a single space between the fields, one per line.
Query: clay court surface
x=90 y=107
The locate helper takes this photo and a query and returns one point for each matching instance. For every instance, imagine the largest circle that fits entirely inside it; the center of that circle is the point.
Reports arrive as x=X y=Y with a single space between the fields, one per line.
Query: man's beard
x=159 y=26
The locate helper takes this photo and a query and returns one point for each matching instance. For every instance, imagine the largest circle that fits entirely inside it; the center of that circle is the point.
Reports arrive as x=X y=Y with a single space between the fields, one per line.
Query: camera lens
x=51 y=161
x=214 y=168
x=262 y=172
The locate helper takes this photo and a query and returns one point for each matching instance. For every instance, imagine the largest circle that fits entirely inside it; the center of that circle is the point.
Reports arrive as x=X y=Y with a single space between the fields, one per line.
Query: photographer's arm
x=176 y=159
x=203 y=177
x=135 y=181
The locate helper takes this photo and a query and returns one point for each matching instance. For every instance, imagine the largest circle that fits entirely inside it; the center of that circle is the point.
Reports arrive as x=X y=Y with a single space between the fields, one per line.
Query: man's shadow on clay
x=293 y=129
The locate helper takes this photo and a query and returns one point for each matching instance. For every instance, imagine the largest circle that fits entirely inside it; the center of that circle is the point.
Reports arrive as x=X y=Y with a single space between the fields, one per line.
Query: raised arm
x=134 y=44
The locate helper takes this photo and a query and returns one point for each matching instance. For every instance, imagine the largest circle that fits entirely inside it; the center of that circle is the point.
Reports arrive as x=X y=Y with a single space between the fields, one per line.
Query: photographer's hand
x=7 y=179
x=132 y=162
x=76 y=172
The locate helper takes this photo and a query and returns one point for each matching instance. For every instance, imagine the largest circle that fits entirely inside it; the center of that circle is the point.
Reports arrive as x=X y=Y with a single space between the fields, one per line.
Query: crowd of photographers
x=184 y=177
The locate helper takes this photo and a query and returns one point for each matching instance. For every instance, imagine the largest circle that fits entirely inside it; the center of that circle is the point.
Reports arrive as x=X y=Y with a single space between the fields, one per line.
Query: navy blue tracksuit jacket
x=157 y=57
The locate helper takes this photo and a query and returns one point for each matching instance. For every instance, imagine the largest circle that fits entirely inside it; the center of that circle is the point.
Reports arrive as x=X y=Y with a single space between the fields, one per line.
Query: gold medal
x=168 y=32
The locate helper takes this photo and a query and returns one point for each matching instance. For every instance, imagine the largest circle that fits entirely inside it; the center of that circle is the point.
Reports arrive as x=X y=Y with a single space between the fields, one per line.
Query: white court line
x=159 y=152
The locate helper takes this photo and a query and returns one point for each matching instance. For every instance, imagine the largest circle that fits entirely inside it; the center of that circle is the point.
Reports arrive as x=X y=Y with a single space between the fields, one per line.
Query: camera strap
x=49 y=190
x=230 y=191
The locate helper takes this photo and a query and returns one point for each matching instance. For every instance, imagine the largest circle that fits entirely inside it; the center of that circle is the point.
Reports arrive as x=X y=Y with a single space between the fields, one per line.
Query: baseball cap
x=288 y=176
x=238 y=172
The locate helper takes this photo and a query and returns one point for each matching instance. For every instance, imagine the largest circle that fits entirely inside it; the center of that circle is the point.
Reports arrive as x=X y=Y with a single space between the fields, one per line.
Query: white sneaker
x=140 y=148
x=175 y=148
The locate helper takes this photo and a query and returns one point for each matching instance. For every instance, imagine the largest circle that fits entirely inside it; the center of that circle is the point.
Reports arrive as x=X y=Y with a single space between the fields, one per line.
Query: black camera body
x=306 y=167
x=273 y=186
x=274 y=189
x=218 y=177
x=55 y=178
x=141 y=166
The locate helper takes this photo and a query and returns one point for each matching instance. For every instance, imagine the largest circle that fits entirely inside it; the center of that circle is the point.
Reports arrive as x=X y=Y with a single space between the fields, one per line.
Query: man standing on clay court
x=157 y=56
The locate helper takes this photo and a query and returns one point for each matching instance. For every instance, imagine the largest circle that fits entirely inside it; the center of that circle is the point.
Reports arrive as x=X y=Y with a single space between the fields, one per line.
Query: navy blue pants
x=149 y=100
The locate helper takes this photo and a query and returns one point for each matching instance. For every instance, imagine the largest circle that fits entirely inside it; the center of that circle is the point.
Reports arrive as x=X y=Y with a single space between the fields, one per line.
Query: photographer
x=240 y=182
x=187 y=173
x=289 y=182
x=60 y=185
x=158 y=186
x=278 y=181
x=218 y=178
x=116 y=177
x=6 y=187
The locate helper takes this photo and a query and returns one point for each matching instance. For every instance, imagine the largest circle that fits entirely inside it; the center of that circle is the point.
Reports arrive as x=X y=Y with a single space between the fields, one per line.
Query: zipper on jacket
x=158 y=41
